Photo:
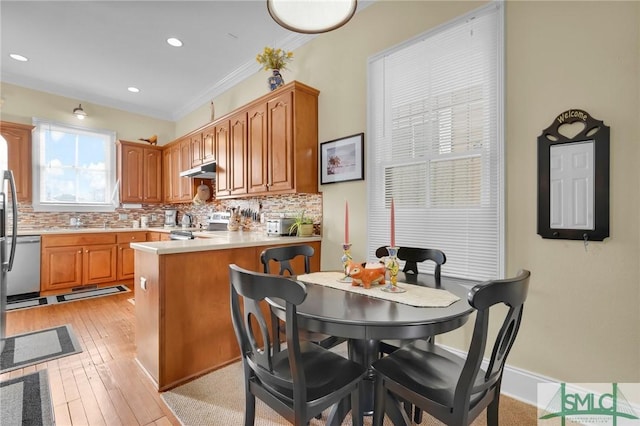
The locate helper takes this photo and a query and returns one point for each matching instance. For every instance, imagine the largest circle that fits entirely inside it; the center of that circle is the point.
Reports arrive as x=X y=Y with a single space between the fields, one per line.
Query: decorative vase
x=275 y=80
x=305 y=230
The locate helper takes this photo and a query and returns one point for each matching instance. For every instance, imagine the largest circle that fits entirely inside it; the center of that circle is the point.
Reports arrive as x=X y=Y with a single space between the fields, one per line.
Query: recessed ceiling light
x=133 y=89
x=18 y=57
x=174 y=42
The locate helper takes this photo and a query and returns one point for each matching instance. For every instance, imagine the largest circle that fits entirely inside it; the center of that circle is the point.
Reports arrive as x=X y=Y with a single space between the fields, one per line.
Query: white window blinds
x=435 y=145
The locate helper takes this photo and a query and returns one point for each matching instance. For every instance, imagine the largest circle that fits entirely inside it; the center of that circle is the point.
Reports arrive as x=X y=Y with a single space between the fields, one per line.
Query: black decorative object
x=573 y=178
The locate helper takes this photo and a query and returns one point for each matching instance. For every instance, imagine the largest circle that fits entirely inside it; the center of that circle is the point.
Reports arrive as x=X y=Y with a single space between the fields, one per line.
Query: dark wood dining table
x=365 y=320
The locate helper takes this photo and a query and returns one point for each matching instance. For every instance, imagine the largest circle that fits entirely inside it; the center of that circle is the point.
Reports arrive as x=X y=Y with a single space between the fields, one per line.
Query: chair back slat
x=284 y=255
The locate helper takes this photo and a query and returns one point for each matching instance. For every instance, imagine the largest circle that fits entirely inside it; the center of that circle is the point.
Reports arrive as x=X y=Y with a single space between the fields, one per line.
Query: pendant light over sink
x=311 y=16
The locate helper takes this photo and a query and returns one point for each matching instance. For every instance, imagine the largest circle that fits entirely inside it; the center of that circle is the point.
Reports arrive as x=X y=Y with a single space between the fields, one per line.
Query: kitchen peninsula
x=183 y=322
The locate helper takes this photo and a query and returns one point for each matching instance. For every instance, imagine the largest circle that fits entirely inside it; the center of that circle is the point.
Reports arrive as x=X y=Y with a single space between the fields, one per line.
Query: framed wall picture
x=342 y=160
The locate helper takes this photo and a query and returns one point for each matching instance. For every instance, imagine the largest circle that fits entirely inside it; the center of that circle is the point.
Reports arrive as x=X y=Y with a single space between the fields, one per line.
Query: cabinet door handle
x=79 y=251
x=86 y=251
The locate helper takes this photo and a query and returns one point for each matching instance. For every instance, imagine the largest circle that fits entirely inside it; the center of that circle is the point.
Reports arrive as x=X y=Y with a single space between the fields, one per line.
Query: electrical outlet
x=154 y=217
x=123 y=216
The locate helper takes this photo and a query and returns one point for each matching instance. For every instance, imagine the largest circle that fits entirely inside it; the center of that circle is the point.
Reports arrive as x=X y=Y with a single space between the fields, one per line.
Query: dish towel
x=416 y=295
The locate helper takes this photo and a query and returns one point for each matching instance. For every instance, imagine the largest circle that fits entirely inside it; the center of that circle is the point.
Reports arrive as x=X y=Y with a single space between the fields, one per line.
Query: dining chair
x=412 y=256
x=283 y=256
x=299 y=382
x=453 y=389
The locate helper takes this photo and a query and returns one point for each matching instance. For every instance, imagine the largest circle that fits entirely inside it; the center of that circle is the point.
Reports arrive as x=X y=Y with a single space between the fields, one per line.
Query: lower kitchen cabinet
x=75 y=266
x=126 y=255
x=70 y=261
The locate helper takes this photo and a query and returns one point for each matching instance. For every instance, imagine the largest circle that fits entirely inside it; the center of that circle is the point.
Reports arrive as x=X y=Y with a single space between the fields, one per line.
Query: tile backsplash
x=270 y=206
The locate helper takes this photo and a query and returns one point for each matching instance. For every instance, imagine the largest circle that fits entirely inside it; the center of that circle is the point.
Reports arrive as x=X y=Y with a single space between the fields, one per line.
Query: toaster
x=280 y=226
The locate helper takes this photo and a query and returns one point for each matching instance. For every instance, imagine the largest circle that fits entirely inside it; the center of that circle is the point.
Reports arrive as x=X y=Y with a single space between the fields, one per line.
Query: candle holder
x=346 y=258
x=393 y=267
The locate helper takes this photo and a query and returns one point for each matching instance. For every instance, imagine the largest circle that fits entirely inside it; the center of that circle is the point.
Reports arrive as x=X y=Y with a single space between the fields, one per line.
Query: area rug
x=69 y=297
x=35 y=347
x=218 y=399
x=26 y=400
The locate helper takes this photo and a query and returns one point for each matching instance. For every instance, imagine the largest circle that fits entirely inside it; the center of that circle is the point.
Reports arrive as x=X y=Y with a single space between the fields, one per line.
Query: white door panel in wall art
x=572 y=185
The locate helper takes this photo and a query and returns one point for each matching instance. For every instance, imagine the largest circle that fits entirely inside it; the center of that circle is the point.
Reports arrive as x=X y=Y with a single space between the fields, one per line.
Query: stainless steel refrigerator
x=8 y=184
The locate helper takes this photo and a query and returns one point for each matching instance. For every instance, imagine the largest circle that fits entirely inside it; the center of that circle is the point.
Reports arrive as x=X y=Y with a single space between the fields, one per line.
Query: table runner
x=415 y=295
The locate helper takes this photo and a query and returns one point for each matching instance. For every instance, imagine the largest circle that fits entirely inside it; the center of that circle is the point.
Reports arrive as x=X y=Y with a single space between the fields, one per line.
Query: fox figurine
x=366 y=274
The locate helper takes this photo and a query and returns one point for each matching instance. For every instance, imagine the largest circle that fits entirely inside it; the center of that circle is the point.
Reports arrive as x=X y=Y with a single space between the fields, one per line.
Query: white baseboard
x=516 y=383
x=523 y=385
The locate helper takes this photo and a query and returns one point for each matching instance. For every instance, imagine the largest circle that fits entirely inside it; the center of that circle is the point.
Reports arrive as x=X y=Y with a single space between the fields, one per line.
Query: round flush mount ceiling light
x=174 y=42
x=311 y=16
x=133 y=89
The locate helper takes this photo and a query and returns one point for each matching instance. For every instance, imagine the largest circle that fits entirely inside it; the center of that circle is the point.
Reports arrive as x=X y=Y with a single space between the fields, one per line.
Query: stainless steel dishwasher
x=24 y=277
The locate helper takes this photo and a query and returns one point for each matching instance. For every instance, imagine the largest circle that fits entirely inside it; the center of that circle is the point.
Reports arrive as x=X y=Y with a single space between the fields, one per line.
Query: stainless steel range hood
x=205 y=171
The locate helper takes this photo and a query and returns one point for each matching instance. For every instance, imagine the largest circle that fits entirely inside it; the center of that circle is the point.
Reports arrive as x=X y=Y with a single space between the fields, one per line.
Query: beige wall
x=21 y=104
x=582 y=319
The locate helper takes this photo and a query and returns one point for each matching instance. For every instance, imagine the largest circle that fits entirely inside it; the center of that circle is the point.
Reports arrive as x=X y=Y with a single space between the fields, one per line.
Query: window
x=435 y=135
x=73 y=168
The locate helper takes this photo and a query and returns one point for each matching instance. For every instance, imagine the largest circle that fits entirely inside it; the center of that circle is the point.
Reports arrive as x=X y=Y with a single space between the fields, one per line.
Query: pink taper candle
x=393 y=224
x=346 y=222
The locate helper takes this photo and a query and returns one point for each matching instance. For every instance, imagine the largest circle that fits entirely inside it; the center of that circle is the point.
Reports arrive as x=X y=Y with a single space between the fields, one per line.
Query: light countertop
x=83 y=230
x=217 y=240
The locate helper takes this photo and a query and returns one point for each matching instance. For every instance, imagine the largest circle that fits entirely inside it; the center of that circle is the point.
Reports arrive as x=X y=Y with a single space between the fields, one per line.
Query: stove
x=218 y=221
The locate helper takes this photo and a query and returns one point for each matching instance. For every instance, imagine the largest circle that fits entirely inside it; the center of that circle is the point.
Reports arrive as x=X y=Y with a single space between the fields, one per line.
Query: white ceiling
x=93 y=50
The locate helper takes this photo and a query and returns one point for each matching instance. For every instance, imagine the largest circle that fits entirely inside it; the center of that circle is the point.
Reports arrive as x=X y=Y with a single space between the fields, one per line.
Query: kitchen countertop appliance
x=170 y=218
x=280 y=226
x=187 y=220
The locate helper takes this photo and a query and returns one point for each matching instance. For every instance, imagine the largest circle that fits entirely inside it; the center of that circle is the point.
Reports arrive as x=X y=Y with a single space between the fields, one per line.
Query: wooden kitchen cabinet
x=203 y=146
x=175 y=159
x=208 y=144
x=196 y=149
x=126 y=255
x=238 y=154
x=18 y=137
x=222 y=135
x=281 y=145
x=193 y=317
x=292 y=140
x=74 y=260
x=140 y=173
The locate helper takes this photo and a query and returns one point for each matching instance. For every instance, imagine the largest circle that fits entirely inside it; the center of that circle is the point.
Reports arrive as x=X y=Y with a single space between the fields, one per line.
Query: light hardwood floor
x=102 y=385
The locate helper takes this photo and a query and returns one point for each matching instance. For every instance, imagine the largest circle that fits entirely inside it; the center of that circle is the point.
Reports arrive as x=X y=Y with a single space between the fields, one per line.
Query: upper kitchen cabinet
x=281 y=144
x=231 y=155
x=203 y=146
x=222 y=150
x=177 y=157
x=140 y=173
x=18 y=137
x=238 y=153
